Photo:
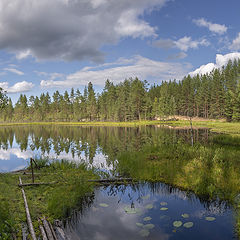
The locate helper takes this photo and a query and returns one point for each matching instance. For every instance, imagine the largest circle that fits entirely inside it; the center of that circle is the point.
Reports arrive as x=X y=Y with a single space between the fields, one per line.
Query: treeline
x=214 y=95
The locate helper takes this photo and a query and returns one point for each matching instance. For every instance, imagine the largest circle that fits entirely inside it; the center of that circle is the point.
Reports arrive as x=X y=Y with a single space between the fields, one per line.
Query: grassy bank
x=214 y=125
x=211 y=171
x=55 y=201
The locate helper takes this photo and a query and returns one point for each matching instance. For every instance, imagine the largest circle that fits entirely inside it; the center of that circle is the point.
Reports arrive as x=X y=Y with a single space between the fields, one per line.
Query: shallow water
x=98 y=146
x=114 y=212
x=109 y=216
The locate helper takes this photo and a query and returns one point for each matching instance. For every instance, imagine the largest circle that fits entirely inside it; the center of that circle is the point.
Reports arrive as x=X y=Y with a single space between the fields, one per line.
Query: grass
x=214 y=125
x=211 y=171
x=54 y=201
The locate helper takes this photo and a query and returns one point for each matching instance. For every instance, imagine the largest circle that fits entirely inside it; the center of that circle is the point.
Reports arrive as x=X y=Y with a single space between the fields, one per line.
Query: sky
x=59 y=44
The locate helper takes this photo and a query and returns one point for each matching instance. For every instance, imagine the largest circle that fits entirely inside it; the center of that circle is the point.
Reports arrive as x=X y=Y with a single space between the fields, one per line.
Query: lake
x=146 y=209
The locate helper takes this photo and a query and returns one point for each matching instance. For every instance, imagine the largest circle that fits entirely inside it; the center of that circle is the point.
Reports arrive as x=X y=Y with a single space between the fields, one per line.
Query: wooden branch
x=35 y=184
x=44 y=236
x=29 y=220
x=48 y=229
x=110 y=180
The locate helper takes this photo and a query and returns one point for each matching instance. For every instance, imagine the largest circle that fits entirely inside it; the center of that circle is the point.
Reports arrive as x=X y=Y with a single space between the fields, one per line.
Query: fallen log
x=35 y=184
x=48 y=229
x=29 y=220
x=43 y=233
x=110 y=180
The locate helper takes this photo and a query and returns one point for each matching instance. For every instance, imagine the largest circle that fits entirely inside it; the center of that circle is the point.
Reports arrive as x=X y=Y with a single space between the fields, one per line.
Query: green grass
x=212 y=170
x=214 y=125
x=54 y=201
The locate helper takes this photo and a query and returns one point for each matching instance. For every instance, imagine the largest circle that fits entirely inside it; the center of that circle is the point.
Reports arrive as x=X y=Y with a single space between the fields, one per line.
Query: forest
x=215 y=95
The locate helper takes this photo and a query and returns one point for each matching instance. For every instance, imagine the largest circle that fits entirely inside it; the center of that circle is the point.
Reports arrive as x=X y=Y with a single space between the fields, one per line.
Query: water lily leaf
x=165 y=217
x=139 y=224
x=149 y=226
x=149 y=206
x=144 y=233
x=130 y=210
x=147 y=219
x=146 y=197
x=103 y=205
x=210 y=219
x=163 y=203
x=185 y=215
x=163 y=208
x=188 y=224
x=177 y=224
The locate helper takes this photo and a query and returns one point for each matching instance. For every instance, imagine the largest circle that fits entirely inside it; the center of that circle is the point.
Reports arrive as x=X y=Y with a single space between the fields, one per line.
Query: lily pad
x=130 y=210
x=163 y=203
x=210 y=219
x=139 y=224
x=188 y=224
x=149 y=206
x=103 y=205
x=185 y=215
x=164 y=209
x=149 y=226
x=144 y=233
x=147 y=219
x=177 y=224
x=146 y=197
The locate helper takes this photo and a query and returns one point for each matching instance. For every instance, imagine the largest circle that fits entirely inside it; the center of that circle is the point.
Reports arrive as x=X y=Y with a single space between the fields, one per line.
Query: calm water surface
x=142 y=211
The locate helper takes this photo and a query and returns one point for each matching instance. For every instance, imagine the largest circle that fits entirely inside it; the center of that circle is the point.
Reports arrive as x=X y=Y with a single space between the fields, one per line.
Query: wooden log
x=35 y=184
x=43 y=233
x=29 y=220
x=53 y=232
x=110 y=180
x=47 y=229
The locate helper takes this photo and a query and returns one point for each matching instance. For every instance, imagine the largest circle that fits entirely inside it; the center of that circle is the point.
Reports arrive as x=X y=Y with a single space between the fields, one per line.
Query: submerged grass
x=212 y=171
x=54 y=201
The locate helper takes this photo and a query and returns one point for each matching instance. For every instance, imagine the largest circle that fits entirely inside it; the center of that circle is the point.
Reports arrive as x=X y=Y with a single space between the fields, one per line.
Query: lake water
x=141 y=211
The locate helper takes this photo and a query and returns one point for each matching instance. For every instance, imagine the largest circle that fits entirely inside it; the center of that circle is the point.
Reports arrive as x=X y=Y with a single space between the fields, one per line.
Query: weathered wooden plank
x=29 y=220
x=35 y=184
x=47 y=229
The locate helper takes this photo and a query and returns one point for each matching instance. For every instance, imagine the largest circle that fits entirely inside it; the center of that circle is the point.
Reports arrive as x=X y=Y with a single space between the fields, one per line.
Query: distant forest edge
x=214 y=95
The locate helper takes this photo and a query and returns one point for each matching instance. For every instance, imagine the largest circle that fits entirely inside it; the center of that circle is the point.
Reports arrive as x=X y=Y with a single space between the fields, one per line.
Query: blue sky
x=59 y=44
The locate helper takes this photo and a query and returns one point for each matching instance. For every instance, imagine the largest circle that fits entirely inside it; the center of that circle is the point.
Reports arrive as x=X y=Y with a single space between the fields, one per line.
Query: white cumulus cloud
x=236 y=43
x=138 y=66
x=221 y=60
x=213 y=27
x=71 y=29
x=17 y=87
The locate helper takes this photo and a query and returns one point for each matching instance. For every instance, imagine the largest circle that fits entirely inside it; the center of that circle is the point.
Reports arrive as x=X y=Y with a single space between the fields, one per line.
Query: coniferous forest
x=215 y=95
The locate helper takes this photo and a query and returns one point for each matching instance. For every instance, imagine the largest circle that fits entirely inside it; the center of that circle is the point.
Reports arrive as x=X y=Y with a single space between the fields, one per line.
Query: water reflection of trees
x=90 y=140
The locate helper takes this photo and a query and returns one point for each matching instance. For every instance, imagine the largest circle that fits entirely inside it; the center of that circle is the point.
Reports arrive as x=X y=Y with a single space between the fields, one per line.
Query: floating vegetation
x=164 y=209
x=185 y=215
x=188 y=224
x=210 y=219
x=149 y=206
x=144 y=233
x=177 y=224
x=146 y=197
x=139 y=224
x=149 y=226
x=103 y=205
x=163 y=203
x=130 y=210
x=147 y=219
x=165 y=217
